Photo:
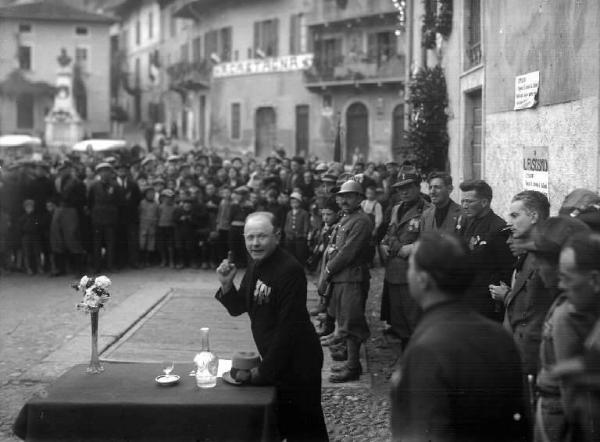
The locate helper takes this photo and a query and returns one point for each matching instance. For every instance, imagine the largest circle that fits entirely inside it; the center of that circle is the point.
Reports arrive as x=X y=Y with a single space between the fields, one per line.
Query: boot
x=339 y=353
x=352 y=370
x=341 y=367
x=326 y=326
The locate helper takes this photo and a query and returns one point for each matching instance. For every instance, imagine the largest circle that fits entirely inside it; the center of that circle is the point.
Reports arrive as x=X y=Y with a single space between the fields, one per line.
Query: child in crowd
x=166 y=228
x=373 y=208
x=222 y=224
x=330 y=213
x=31 y=238
x=297 y=225
x=186 y=239
x=148 y=211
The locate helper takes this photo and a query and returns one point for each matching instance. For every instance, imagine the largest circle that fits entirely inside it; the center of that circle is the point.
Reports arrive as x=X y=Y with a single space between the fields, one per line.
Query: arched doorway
x=357 y=131
x=266 y=131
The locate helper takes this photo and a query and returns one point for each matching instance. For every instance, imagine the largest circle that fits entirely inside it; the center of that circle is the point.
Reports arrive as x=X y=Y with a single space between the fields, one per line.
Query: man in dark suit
x=526 y=301
x=444 y=214
x=128 y=219
x=486 y=236
x=103 y=201
x=460 y=376
x=273 y=293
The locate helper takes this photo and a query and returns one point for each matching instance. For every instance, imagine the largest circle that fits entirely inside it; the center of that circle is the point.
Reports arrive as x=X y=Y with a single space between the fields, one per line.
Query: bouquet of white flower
x=95 y=292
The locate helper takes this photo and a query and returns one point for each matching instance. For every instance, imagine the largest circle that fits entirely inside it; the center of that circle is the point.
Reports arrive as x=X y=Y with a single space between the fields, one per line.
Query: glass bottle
x=207 y=363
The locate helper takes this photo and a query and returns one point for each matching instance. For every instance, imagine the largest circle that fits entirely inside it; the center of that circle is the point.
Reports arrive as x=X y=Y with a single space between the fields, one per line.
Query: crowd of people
x=535 y=276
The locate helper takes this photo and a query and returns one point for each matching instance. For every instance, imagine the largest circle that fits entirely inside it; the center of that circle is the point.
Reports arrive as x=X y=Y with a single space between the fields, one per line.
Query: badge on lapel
x=476 y=241
x=414 y=225
x=262 y=293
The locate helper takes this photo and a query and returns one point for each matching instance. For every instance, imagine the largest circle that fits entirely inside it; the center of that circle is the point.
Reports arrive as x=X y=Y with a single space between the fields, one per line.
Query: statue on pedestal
x=63 y=123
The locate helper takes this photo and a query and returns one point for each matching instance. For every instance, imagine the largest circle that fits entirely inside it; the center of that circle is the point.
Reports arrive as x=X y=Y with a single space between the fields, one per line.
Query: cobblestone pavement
x=37 y=317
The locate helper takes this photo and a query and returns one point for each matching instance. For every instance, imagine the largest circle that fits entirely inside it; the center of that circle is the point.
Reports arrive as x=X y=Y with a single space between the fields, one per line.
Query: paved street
x=154 y=314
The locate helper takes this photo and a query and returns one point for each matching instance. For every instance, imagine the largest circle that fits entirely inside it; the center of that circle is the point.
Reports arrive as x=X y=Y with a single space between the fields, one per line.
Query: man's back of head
x=439 y=268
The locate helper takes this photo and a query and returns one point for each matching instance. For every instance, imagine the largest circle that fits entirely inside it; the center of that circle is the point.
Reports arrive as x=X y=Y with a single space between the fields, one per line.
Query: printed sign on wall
x=535 y=169
x=526 y=90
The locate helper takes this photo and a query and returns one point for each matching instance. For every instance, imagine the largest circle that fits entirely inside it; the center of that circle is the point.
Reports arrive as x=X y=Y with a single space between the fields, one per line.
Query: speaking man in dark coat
x=273 y=293
x=486 y=235
x=460 y=376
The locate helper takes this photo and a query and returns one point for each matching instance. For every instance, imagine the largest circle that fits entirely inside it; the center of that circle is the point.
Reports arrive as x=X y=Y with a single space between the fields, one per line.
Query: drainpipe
x=409 y=14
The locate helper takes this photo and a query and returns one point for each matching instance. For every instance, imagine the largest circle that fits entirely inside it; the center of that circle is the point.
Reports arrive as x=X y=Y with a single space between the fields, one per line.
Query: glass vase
x=95 y=366
x=207 y=363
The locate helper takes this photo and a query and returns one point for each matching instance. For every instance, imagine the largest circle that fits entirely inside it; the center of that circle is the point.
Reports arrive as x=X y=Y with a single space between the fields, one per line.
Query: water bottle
x=207 y=363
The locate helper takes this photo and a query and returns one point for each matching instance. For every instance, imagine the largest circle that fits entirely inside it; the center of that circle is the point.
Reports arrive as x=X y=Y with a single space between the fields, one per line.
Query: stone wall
x=570 y=130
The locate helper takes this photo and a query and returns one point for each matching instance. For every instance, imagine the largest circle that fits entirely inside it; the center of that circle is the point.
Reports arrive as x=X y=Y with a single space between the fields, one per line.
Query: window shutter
x=372 y=47
x=257 y=42
x=275 y=36
x=293 y=34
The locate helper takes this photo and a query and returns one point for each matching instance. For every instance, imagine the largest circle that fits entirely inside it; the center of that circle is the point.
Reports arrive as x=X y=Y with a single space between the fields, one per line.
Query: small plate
x=227 y=378
x=167 y=379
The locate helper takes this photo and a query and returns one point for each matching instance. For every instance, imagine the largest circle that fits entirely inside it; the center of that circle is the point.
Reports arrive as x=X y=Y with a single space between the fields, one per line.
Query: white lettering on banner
x=535 y=169
x=526 y=90
x=286 y=63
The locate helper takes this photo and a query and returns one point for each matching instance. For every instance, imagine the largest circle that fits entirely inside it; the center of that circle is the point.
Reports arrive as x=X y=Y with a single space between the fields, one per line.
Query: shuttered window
x=197 y=48
x=235 y=121
x=266 y=38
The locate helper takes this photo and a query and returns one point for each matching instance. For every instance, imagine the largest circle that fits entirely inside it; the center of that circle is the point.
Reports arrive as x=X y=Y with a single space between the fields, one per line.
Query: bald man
x=273 y=293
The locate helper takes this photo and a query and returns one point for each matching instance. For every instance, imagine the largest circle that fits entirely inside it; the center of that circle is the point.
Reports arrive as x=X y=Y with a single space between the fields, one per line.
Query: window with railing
x=328 y=55
x=381 y=47
x=218 y=43
x=473 y=47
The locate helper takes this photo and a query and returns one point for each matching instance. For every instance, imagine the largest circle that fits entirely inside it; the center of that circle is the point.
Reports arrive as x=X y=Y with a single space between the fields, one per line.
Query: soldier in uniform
x=397 y=306
x=346 y=276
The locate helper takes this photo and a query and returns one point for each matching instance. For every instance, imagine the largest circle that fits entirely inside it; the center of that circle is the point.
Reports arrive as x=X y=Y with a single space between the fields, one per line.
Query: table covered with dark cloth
x=125 y=403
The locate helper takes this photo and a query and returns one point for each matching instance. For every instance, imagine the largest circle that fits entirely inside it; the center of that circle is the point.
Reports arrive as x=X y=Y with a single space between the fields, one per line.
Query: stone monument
x=63 y=124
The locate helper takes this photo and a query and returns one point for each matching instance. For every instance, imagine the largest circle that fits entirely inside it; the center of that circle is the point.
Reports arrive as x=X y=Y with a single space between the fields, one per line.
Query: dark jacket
x=285 y=337
x=129 y=202
x=104 y=203
x=296 y=226
x=526 y=306
x=460 y=380
x=402 y=232
x=492 y=262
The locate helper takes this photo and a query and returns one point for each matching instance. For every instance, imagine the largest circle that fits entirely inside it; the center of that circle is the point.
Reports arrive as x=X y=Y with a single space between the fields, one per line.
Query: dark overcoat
x=526 y=306
x=286 y=339
x=460 y=380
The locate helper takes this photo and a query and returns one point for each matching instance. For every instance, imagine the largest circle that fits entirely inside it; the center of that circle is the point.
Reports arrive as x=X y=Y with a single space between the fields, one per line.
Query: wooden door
x=302 y=130
x=266 y=131
x=357 y=131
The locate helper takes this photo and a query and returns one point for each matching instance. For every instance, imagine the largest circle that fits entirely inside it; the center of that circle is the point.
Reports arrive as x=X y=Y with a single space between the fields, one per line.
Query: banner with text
x=535 y=169
x=271 y=65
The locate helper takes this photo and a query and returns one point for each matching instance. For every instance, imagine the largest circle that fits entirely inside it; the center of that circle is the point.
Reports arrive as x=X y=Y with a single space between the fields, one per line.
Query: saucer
x=227 y=378
x=167 y=379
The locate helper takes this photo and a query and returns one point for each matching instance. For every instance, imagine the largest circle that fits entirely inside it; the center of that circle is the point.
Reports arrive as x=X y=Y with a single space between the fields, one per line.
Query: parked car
x=17 y=147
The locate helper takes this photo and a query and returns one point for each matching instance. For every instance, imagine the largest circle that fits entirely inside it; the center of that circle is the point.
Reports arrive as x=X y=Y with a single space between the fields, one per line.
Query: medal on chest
x=262 y=293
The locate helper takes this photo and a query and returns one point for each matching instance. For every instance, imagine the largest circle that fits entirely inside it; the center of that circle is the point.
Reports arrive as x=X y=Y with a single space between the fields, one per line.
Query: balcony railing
x=343 y=70
x=340 y=10
x=190 y=75
x=473 y=55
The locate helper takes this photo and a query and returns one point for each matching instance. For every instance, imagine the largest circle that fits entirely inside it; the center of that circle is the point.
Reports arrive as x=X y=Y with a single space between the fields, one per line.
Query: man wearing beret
x=273 y=293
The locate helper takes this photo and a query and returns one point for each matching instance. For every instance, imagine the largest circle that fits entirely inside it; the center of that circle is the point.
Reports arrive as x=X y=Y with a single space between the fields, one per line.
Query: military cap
x=329 y=178
x=296 y=196
x=405 y=178
x=350 y=186
x=168 y=193
x=104 y=165
x=321 y=167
